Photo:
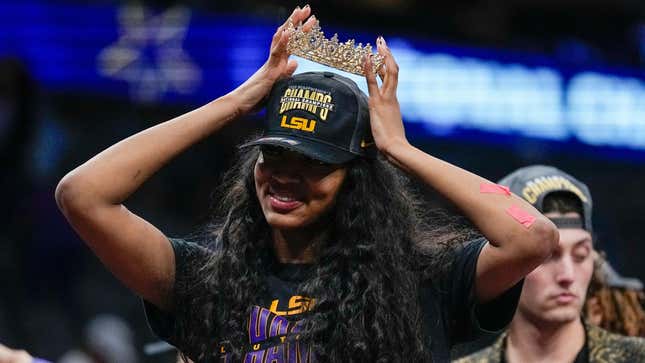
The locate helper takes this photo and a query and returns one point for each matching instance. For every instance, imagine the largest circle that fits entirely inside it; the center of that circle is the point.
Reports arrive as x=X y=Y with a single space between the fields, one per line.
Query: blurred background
x=490 y=85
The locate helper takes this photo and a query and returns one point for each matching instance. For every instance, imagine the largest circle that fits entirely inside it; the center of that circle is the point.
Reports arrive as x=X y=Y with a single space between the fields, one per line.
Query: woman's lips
x=283 y=202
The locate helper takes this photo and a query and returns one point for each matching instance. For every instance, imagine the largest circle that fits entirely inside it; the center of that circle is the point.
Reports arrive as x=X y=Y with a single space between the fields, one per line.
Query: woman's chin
x=285 y=222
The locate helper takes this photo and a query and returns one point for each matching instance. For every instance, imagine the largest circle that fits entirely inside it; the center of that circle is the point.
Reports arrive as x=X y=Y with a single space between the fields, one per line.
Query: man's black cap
x=535 y=182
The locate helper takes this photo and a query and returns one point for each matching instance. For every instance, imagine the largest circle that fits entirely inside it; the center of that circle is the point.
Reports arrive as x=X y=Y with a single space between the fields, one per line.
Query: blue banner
x=179 y=55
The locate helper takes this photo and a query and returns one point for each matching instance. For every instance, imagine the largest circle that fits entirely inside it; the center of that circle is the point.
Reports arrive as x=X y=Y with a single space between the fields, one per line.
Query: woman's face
x=295 y=191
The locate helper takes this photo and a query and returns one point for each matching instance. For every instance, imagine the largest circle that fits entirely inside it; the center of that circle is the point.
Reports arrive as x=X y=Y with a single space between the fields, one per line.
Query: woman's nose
x=285 y=174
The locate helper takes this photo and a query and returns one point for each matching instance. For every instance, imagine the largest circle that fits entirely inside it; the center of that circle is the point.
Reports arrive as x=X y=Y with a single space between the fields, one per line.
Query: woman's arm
x=514 y=249
x=91 y=196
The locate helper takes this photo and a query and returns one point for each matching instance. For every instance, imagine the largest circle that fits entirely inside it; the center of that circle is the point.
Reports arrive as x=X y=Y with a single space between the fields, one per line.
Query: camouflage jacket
x=604 y=347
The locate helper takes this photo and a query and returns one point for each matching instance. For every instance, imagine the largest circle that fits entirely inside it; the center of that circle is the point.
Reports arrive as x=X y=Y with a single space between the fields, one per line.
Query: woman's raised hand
x=250 y=94
x=385 y=112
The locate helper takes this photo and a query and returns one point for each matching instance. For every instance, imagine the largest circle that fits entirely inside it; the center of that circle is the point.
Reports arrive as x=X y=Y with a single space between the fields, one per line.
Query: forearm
x=115 y=173
x=520 y=237
x=488 y=212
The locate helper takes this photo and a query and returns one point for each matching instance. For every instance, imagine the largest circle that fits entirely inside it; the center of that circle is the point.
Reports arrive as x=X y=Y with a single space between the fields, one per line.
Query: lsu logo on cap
x=544 y=184
x=298 y=123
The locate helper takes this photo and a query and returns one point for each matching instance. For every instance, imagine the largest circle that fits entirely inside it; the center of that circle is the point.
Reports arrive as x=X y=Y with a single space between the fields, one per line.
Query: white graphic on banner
x=149 y=53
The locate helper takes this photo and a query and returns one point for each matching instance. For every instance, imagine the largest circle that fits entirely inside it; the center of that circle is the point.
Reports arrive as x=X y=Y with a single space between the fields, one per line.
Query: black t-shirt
x=451 y=313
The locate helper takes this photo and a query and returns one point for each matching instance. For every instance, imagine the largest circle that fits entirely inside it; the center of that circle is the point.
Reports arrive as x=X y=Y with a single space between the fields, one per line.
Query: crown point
x=313 y=45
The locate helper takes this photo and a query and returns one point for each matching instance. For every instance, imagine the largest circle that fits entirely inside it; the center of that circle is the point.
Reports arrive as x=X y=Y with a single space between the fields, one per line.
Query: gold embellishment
x=314 y=46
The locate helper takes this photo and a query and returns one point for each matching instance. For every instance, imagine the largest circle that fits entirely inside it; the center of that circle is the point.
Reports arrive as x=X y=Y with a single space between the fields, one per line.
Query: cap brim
x=313 y=149
x=614 y=279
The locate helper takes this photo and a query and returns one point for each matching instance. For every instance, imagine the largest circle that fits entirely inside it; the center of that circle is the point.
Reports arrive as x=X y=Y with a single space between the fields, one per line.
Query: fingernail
x=383 y=41
x=306 y=6
x=298 y=7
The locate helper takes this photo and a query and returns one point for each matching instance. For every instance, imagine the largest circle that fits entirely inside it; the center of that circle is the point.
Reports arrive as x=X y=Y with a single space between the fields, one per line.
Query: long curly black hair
x=367 y=275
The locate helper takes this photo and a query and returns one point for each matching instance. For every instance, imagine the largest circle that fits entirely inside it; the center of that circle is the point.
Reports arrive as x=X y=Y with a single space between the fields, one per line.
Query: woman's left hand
x=385 y=112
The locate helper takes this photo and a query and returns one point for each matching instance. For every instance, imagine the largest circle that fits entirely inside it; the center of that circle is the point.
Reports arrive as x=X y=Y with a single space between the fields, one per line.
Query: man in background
x=547 y=326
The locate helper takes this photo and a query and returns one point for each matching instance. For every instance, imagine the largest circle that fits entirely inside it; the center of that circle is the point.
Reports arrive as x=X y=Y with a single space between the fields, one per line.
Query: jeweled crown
x=345 y=56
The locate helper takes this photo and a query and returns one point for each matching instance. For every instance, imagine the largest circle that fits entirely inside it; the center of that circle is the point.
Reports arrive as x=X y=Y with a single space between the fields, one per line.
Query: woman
x=319 y=253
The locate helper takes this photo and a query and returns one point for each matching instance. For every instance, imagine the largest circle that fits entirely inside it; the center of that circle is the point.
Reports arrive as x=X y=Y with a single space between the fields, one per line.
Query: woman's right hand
x=251 y=93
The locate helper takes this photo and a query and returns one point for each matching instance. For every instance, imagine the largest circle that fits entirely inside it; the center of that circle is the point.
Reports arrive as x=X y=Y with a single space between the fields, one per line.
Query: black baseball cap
x=322 y=115
x=535 y=182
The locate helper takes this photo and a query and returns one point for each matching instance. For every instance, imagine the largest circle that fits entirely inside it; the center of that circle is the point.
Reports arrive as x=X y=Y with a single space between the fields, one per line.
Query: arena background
x=490 y=85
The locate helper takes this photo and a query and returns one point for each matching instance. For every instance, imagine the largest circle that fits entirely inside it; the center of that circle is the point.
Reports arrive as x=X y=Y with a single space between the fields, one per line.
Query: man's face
x=555 y=291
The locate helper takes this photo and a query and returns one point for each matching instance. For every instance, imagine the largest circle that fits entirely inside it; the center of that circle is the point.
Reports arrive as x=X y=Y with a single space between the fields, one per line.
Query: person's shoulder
x=486 y=355
x=191 y=253
x=490 y=354
x=470 y=248
x=636 y=345
x=605 y=345
x=465 y=255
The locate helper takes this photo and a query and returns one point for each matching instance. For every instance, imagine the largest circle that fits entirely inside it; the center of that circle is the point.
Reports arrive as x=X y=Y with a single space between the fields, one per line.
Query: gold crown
x=314 y=46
